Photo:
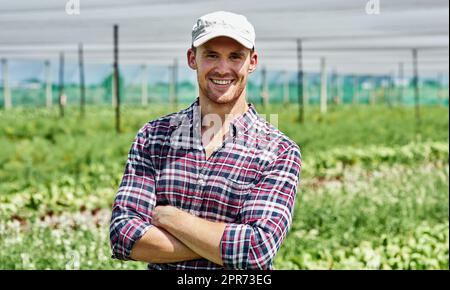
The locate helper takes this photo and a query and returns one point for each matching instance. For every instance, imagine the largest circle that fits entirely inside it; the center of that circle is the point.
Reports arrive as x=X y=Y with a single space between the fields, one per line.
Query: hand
x=163 y=214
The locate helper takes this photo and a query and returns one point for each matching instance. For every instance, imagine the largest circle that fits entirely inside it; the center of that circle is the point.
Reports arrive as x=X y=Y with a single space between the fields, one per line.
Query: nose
x=222 y=67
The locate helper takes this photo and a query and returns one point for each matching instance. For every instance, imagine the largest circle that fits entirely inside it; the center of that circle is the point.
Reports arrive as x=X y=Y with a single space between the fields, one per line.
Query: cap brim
x=203 y=39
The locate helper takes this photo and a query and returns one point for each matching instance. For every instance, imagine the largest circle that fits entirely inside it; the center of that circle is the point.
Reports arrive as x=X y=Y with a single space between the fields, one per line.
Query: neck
x=220 y=131
x=234 y=108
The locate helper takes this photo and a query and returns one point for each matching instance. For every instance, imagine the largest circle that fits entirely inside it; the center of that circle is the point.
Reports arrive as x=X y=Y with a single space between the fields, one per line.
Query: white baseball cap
x=222 y=23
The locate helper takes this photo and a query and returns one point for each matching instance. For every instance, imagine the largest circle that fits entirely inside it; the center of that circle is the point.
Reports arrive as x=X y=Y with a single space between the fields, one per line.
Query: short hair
x=194 y=49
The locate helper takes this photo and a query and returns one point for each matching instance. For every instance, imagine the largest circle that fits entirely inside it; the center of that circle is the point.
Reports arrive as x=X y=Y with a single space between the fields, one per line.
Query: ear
x=253 y=61
x=191 y=59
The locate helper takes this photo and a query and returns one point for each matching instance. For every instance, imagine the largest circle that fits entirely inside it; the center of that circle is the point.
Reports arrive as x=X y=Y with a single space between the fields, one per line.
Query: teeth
x=221 y=82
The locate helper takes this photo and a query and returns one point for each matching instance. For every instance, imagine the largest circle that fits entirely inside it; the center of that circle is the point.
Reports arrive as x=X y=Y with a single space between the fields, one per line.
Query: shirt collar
x=245 y=121
x=241 y=123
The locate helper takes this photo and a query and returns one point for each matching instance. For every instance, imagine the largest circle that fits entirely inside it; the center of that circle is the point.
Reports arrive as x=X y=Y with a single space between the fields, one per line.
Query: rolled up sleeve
x=266 y=216
x=134 y=201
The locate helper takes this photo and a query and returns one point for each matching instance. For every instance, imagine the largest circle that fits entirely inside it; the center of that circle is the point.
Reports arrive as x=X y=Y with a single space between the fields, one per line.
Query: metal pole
x=144 y=95
x=116 y=76
x=355 y=90
x=170 y=84
x=82 y=88
x=113 y=89
x=440 y=88
x=173 y=95
x=390 y=96
x=341 y=86
x=401 y=88
x=6 y=91
x=335 y=87
x=263 y=92
x=48 y=88
x=286 y=88
x=300 y=81
x=305 y=91
x=323 y=86
x=416 y=89
x=62 y=97
x=372 y=93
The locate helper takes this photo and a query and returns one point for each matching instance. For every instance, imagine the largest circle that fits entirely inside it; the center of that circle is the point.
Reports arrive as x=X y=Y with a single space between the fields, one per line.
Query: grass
x=373 y=194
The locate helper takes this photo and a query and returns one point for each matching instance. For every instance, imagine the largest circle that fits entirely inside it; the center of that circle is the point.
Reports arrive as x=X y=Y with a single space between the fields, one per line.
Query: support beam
x=401 y=83
x=372 y=92
x=337 y=80
x=285 y=87
x=305 y=91
x=113 y=90
x=301 y=102
x=264 y=92
x=335 y=87
x=144 y=88
x=355 y=96
x=323 y=86
x=384 y=89
x=62 y=96
x=116 y=76
x=82 y=87
x=48 y=85
x=390 y=97
x=7 y=101
x=173 y=84
x=416 y=89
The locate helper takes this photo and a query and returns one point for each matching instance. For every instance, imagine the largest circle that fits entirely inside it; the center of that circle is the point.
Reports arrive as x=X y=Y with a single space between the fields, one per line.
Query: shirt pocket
x=225 y=198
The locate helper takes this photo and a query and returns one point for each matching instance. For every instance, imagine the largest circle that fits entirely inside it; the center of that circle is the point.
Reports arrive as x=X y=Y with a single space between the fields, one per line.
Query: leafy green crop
x=372 y=195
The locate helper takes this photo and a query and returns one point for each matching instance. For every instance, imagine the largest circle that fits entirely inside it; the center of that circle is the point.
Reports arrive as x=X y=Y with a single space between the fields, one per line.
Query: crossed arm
x=179 y=236
x=142 y=231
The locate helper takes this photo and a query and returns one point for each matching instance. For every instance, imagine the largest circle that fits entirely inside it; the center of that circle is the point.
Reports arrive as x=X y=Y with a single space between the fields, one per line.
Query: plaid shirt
x=250 y=183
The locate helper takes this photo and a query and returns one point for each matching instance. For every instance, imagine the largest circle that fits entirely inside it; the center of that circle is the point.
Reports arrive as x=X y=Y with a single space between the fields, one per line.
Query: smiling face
x=222 y=66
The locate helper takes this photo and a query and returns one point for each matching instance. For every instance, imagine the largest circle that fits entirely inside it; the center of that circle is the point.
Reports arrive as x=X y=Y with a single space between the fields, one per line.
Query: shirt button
x=201 y=182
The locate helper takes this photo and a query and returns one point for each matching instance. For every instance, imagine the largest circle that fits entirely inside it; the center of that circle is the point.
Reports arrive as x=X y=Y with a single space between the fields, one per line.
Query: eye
x=235 y=56
x=211 y=55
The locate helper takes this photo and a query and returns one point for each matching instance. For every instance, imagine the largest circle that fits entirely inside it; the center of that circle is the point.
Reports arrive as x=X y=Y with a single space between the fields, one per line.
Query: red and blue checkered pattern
x=250 y=183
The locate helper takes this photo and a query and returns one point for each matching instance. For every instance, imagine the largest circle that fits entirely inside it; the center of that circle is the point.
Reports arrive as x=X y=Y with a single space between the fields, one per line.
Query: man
x=212 y=186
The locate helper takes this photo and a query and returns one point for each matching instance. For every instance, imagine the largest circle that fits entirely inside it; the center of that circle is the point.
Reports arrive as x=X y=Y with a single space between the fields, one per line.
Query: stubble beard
x=224 y=99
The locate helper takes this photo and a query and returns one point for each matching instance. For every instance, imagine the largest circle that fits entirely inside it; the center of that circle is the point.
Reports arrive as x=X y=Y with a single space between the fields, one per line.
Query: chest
x=211 y=184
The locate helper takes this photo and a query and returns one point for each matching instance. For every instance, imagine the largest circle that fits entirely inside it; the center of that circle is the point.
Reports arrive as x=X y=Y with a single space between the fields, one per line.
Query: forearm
x=159 y=246
x=200 y=235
